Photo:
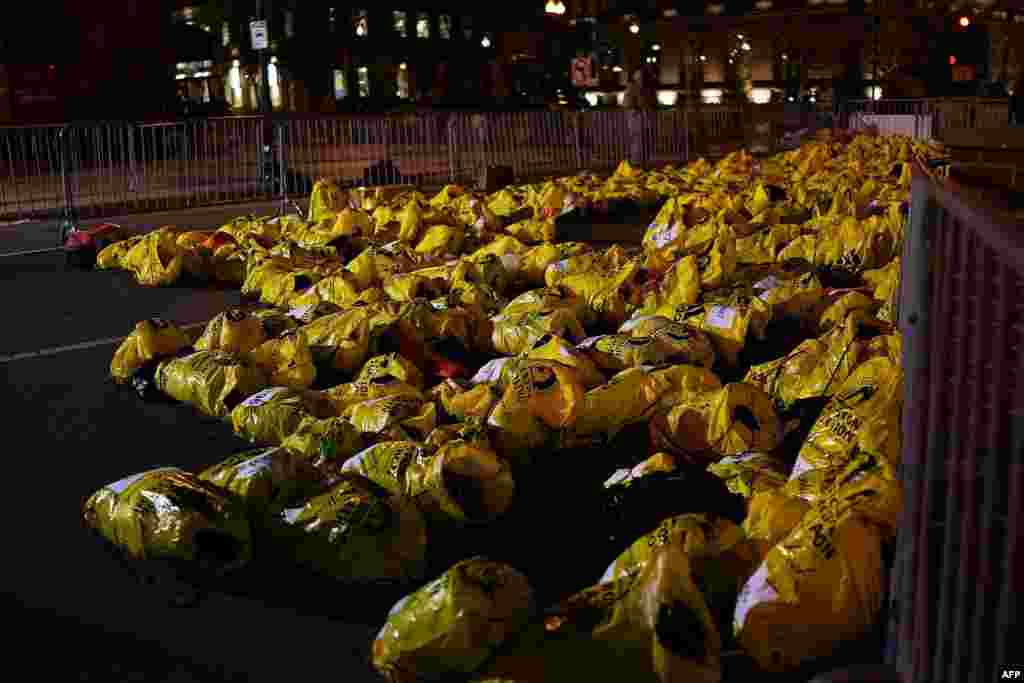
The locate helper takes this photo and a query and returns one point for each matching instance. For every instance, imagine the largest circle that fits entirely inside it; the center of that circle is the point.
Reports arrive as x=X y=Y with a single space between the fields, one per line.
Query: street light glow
x=656 y=47
x=634 y=28
x=746 y=47
x=965 y=21
x=486 y=42
x=555 y=7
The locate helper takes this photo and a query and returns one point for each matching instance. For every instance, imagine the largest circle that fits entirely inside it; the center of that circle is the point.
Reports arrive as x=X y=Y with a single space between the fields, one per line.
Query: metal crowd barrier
x=954 y=610
x=925 y=118
x=96 y=169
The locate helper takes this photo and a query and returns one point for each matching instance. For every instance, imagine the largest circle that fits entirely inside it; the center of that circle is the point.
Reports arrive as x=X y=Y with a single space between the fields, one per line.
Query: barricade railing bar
x=97 y=169
x=953 y=596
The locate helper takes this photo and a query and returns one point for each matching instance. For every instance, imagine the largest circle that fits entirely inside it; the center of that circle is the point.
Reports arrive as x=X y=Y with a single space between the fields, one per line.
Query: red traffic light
x=952 y=60
x=965 y=22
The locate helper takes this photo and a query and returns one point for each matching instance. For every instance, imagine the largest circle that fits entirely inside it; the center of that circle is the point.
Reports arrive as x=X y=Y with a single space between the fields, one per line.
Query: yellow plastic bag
x=345 y=396
x=541 y=397
x=234 y=331
x=214 y=382
x=113 y=256
x=156 y=260
x=517 y=332
x=152 y=339
x=736 y=419
x=324 y=443
x=268 y=417
x=680 y=286
x=750 y=473
x=326 y=199
x=336 y=289
x=170 y=513
x=652 y=622
x=632 y=396
x=375 y=416
x=532 y=265
x=839 y=306
x=554 y=348
x=384 y=368
x=287 y=360
x=681 y=343
x=452 y=625
x=550 y=298
x=869 y=399
x=475 y=404
x=441 y=239
x=266 y=480
x=358 y=533
x=616 y=352
x=346 y=336
x=823 y=584
x=726 y=325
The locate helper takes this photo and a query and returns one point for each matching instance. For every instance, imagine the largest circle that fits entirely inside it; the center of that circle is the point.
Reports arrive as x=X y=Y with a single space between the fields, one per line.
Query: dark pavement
x=71 y=610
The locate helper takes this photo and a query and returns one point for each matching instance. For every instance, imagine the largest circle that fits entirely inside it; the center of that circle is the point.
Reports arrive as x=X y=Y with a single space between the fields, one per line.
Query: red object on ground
x=89 y=238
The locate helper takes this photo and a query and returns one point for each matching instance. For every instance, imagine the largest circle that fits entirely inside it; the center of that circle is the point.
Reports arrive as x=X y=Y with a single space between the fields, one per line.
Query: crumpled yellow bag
x=736 y=419
x=325 y=200
x=358 y=533
x=413 y=415
x=452 y=625
x=840 y=304
x=335 y=289
x=438 y=240
x=870 y=399
x=287 y=360
x=819 y=367
x=727 y=325
x=234 y=331
x=156 y=260
x=549 y=298
x=325 y=443
x=214 y=382
x=517 y=332
x=151 y=340
x=823 y=584
x=554 y=348
x=750 y=473
x=886 y=284
x=269 y=416
x=170 y=513
x=461 y=481
x=681 y=343
x=266 y=480
x=541 y=397
x=379 y=369
x=680 y=286
x=532 y=265
x=651 y=621
x=632 y=396
x=373 y=267
x=616 y=352
x=114 y=256
x=345 y=335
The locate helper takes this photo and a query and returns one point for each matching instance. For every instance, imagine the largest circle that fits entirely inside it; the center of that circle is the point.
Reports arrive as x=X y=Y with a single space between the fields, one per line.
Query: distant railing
x=925 y=118
x=107 y=168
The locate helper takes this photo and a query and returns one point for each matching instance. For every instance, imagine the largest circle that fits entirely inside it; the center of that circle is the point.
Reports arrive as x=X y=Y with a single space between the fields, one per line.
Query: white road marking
x=78 y=347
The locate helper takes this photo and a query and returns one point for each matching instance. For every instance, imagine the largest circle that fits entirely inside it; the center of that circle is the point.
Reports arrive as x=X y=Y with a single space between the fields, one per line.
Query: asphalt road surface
x=71 y=610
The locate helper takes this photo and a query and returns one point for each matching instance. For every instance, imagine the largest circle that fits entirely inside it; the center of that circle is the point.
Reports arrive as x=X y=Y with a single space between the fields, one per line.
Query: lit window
x=399 y=21
x=711 y=95
x=403 y=81
x=332 y=17
x=760 y=95
x=422 y=25
x=340 y=85
x=364 y=81
x=225 y=34
x=444 y=26
x=362 y=23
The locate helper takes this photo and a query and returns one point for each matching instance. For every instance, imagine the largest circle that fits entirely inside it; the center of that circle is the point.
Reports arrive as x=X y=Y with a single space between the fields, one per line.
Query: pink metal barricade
x=954 y=613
